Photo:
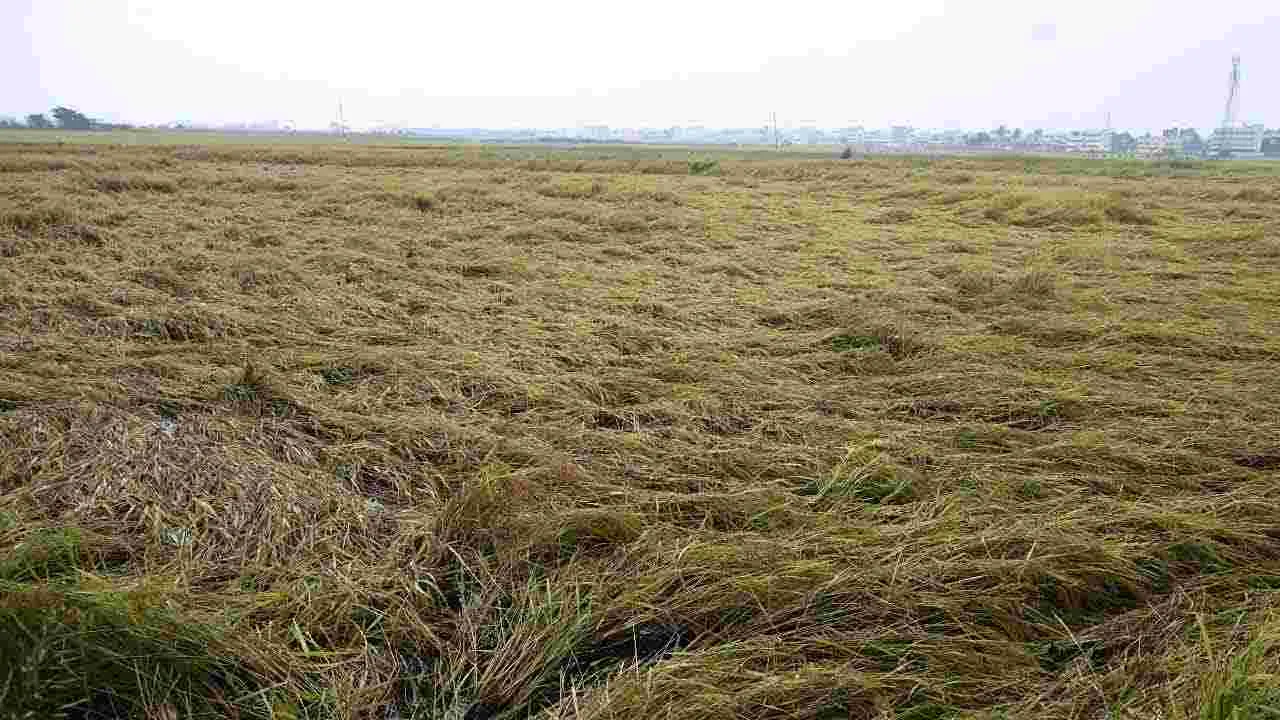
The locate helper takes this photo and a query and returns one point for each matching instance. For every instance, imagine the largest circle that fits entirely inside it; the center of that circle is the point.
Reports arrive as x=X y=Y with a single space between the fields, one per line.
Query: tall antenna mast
x=1233 y=94
x=1231 y=111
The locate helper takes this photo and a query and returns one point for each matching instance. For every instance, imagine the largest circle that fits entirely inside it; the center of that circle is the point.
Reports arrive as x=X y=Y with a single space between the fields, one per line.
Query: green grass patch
x=338 y=375
x=79 y=654
x=704 y=166
x=849 y=343
x=46 y=554
x=1242 y=686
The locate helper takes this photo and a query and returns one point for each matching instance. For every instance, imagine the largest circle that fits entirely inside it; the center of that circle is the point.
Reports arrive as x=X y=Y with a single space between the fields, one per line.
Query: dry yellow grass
x=335 y=432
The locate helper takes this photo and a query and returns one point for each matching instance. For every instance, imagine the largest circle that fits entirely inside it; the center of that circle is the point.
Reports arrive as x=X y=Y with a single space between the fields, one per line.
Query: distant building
x=1122 y=143
x=1157 y=146
x=940 y=137
x=1181 y=142
x=1092 y=142
x=1151 y=146
x=599 y=133
x=1191 y=142
x=851 y=135
x=1271 y=143
x=1237 y=141
x=876 y=138
x=810 y=136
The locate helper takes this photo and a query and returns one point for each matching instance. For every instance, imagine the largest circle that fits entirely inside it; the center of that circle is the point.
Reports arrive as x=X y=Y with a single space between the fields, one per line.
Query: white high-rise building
x=1238 y=140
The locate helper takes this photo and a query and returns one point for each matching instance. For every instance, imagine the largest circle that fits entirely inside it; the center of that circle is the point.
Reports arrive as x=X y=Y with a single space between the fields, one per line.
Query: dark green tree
x=38 y=121
x=69 y=119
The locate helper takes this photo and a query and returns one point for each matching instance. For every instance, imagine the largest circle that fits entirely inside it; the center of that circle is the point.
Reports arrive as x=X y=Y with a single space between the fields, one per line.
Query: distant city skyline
x=587 y=129
x=932 y=64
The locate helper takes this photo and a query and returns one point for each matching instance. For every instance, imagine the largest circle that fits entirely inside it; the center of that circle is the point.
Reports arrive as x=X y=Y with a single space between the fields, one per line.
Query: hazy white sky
x=928 y=63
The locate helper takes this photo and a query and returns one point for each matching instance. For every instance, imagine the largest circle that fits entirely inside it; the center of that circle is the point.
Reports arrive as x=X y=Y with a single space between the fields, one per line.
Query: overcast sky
x=927 y=63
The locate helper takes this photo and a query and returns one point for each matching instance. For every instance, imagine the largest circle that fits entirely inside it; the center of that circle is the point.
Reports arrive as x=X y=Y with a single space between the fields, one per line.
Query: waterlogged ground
x=496 y=433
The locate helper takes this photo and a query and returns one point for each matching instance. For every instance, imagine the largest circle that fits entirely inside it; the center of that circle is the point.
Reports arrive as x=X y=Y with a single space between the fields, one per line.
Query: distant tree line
x=1003 y=136
x=61 y=118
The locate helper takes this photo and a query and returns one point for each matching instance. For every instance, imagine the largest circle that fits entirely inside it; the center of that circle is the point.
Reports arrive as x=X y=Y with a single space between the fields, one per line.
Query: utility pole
x=777 y=142
x=342 y=121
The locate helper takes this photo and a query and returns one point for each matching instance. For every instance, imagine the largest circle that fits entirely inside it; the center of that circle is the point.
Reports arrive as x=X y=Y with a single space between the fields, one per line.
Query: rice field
x=484 y=433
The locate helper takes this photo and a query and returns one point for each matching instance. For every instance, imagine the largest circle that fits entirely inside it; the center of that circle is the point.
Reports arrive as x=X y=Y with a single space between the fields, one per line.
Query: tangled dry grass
x=324 y=432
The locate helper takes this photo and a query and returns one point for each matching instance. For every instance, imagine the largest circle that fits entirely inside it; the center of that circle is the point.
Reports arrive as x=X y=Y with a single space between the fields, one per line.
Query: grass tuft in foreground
x=76 y=653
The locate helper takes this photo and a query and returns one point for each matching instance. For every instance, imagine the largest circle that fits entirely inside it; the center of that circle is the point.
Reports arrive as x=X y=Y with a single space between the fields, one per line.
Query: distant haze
x=926 y=63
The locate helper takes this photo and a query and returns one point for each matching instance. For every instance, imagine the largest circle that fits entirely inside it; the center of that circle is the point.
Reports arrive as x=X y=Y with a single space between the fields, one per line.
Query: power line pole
x=777 y=142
